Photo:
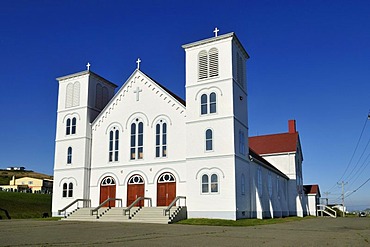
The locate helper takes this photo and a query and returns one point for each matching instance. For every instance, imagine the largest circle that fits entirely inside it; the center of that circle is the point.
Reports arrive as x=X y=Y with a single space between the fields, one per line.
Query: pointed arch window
x=161 y=139
x=113 y=145
x=137 y=140
x=209 y=140
x=69 y=155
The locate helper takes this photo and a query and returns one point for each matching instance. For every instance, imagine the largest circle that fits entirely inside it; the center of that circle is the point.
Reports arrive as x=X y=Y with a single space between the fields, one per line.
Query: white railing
x=326 y=209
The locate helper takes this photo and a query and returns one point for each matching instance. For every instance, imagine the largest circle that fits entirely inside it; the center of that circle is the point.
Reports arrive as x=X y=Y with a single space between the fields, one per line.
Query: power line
x=358 y=188
x=354 y=152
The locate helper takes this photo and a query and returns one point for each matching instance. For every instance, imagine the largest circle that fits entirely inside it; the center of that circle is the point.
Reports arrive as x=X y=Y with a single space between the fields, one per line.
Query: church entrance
x=108 y=190
x=135 y=189
x=166 y=189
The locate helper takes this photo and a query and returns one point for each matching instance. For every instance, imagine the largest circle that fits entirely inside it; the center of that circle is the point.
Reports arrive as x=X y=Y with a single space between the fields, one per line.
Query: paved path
x=309 y=232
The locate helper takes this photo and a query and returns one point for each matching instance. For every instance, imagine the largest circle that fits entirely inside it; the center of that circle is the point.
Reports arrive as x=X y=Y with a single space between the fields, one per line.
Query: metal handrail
x=72 y=203
x=103 y=203
x=128 y=209
x=172 y=204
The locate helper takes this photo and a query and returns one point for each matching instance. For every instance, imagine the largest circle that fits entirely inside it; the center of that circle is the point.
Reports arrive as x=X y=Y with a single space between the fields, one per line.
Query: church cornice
x=86 y=72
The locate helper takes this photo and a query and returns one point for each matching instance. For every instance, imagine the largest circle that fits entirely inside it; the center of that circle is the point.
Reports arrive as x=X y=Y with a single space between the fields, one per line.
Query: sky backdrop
x=309 y=61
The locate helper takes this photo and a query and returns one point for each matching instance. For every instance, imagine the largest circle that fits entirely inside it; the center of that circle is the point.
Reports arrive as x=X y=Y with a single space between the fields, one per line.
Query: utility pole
x=342 y=184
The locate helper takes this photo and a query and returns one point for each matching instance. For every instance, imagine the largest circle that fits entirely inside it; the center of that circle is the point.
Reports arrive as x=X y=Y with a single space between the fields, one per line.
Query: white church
x=141 y=146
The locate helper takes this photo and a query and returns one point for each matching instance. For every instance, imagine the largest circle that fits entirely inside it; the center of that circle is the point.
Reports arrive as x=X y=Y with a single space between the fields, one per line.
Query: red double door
x=108 y=191
x=135 y=191
x=166 y=193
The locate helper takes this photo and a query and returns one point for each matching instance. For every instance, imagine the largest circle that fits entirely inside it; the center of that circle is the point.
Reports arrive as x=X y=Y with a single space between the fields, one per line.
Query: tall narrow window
x=205 y=184
x=137 y=140
x=161 y=139
x=208 y=64
x=73 y=127
x=113 y=145
x=68 y=126
x=204 y=104
x=69 y=155
x=241 y=142
x=70 y=190
x=65 y=190
x=209 y=140
x=214 y=183
x=69 y=95
x=212 y=103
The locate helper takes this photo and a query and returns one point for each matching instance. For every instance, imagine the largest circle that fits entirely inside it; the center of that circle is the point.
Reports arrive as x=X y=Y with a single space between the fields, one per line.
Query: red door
x=166 y=193
x=133 y=192
x=108 y=191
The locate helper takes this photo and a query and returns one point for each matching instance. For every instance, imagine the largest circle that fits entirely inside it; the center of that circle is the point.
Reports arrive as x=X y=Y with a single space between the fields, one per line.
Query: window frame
x=161 y=134
x=69 y=155
x=208 y=184
x=209 y=140
x=113 y=145
x=137 y=140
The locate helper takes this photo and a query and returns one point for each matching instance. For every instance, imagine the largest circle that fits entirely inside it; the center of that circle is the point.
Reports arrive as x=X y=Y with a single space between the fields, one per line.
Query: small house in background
x=29 y=184
x=16 y=168
x=313 y=195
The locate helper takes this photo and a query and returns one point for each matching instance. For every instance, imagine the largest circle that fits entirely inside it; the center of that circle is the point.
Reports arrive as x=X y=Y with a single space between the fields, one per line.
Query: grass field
x=24 y=205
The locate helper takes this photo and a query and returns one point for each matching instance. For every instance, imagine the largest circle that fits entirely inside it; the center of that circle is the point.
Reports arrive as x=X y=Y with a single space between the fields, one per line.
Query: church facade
x=144 y=141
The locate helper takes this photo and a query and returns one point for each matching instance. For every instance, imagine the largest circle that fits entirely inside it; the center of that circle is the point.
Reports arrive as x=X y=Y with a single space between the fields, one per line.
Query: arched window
x=204 y=104
x=113 y=145
x=208 y=187
x=161 y=139
x=214 y=183
x=166 y=178
x=136 y=179
x=65 y=190
x=69 y=95
x=205 y=183
x=99 y=96
x=68 y=126
x=212 y=103
x=73 y=127
x=76 y=94
x=70 y=190
x=108 y=181
x=137 y=140
x=209 y=140
x=69 y=155
x=208 y=103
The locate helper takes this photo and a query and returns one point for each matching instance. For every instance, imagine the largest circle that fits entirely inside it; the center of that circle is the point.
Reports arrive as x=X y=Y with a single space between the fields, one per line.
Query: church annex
x=143 y=141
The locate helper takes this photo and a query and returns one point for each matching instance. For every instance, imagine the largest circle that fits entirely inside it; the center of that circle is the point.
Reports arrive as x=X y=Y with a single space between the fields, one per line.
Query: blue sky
x=309 y=61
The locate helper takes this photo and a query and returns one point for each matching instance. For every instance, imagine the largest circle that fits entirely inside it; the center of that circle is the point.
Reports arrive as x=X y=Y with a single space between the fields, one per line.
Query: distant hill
x=6 y=175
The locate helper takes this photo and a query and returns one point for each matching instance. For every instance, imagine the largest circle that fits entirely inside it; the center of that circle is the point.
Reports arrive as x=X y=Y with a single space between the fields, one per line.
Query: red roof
x=311 y=189
x=276 y=143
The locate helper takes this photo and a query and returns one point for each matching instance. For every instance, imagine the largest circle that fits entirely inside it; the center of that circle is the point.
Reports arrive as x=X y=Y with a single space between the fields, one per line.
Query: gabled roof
x=267 y=164
x=276 y=143
x=178 y=98
x=311 y=189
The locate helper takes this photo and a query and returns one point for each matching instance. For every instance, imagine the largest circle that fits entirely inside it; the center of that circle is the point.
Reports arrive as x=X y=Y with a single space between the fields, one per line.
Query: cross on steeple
x=216 y=31
x=137 y=91
x=138 y=61
x=88 y=66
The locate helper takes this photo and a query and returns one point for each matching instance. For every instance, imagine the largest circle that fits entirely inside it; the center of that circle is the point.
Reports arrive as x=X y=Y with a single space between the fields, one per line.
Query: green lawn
x=24 y=205
x=242 y=222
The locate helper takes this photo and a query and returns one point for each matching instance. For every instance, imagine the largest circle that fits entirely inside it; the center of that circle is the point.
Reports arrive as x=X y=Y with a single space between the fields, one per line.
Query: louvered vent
x=99 y=96
x=69 y=95
x=202 y=65
x=240 y=71
x=105 y=96
x=213 y=62
x=76 y=94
